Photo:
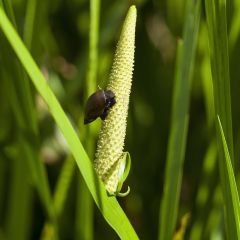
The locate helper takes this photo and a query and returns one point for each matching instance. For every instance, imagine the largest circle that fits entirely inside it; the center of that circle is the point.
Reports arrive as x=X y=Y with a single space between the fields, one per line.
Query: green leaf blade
x=179 y=123
x=218 y=42
x=231 y=181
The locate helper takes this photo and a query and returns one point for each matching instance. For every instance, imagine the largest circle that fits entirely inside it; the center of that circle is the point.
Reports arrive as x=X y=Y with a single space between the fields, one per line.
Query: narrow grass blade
x=217 y=33
x=109 y=206
x=18 y=217
x=84 y=212
x=179 y=123
x=63 y=184
x=29 y=22
x=205 y=68
x=21 y=85
x=60 y=195
x=84 y=222
x=175 y=14
x=231 y=181
x=235 y=25
x=93 y=46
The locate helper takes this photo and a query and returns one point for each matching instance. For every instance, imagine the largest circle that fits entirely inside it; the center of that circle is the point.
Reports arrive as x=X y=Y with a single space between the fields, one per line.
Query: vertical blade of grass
x=60 y=195
x=172 y=185
x=175 y=14
x=231 y=181
x=24 y=98
x=93 y=46
x=29 y=23
x=179 y=123
x=18 y=222
x=217 y=33
x=206 y=75
x=84 y=212
x=209 y=180
x=235 y=25
x=62 y=186
x=84 y=216
x=108 y=206
x=17 y=214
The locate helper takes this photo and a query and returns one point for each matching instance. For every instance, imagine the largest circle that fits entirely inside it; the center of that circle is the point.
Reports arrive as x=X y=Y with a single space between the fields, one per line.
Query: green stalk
x=93 y=46
x=84 y=228
x=62 y=186
x=226 y=164
x=18 y=217
x=179 y=123
x=60 y=195
x=29 y=22
x=218 y=42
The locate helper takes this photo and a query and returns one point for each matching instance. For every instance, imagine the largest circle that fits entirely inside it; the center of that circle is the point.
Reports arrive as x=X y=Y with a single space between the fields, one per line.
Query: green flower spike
x=111 y=163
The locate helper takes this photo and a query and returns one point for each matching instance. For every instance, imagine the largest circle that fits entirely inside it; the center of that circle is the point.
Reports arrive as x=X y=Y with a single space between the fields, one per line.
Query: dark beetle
x=98 y=105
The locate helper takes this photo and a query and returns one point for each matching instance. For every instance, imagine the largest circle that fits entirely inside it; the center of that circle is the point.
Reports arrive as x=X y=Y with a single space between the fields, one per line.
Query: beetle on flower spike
x=111 y=163
x=98 y=105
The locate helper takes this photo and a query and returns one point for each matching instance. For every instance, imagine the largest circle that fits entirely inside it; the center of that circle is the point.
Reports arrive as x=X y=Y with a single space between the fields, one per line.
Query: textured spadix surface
x=110 y=145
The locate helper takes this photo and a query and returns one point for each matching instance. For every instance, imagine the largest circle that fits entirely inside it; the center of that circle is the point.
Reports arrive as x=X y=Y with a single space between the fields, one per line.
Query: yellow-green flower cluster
x=109 y=162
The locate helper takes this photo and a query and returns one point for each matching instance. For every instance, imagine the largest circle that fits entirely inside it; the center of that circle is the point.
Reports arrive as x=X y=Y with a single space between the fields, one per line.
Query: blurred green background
x=59 y=43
